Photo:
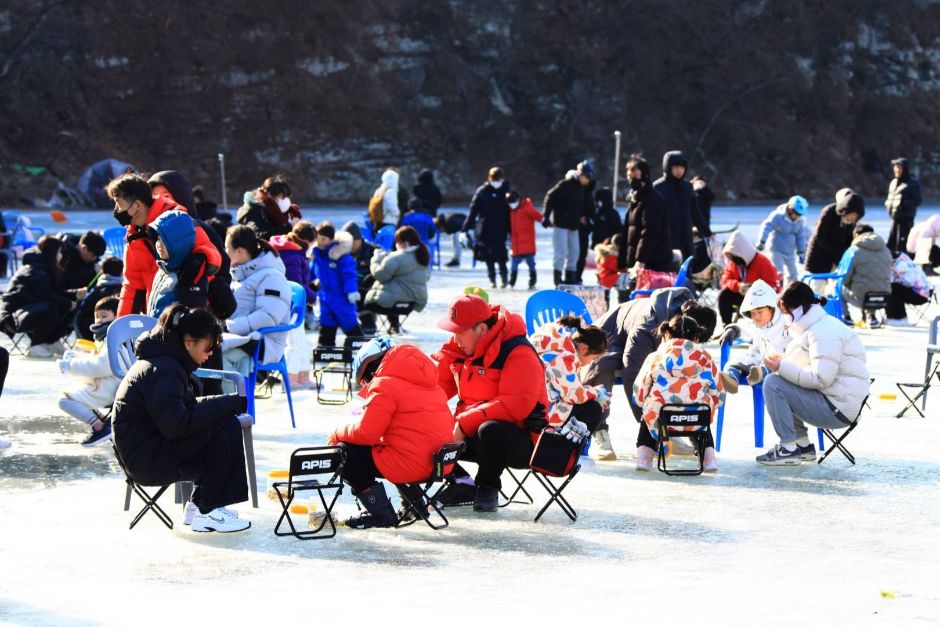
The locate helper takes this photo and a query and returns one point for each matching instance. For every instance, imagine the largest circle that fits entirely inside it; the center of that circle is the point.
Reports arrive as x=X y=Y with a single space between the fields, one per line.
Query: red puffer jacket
x=760 y=268
x=140 y=263
x=406 y=418
x=484 y=392
x=522 y=221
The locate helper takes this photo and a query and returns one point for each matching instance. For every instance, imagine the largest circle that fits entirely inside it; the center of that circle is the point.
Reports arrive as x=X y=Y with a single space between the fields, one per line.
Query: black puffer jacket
x=428 y=192
x=646 y=233
x=74 y=273
x=607 y=222
x=156 y=404
x=681 y=205
x=253 y=213
x=631 y=330
x=490 y=207
x=34 y=282
x=903 y=196
x=832 y=238
x=567 y=202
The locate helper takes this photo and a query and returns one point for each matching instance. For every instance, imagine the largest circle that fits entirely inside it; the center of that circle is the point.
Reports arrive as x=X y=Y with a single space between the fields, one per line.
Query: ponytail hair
x=799 y=295
x=409 y=236
x=681 y=327
x=243 y=236
x=196 y=323
x=592 y=337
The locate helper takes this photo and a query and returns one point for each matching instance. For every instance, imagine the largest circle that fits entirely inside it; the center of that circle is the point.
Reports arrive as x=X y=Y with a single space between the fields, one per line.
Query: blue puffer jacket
x=781 y=234
x=336 y=269
x=177 y=231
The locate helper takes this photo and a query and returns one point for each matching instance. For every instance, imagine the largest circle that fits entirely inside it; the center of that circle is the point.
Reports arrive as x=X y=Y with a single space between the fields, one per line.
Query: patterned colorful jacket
x=679 y=372
x=563 y=384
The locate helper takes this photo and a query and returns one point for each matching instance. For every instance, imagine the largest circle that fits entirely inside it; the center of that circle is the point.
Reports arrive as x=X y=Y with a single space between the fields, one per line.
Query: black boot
x=532 y=276
x=570 y=277
x=557 y=278
x=502 y=279
x=379 y=511
x=512 y=278
x=492 y=276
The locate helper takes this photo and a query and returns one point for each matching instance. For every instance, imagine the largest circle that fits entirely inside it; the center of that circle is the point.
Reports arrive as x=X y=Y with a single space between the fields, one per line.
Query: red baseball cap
x=464 y=312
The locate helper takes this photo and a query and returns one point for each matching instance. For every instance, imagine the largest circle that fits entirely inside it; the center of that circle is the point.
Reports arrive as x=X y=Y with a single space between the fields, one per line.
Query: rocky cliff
x=767 y=97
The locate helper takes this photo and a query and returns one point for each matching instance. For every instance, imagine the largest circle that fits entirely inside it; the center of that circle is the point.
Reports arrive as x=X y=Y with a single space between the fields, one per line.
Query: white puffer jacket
x=828 y=356
x=769 y=339
x=100 y=384
x=263 y=299
x=389 y=189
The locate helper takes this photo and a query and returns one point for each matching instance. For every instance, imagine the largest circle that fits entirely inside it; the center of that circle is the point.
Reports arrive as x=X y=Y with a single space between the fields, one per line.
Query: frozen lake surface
x=824 y=544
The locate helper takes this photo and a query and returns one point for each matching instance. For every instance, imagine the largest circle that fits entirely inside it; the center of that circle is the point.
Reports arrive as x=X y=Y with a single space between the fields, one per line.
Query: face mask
x=496 y=184
x=123 y=217
x=636 y=184
x=283 y=204
x=513 y=205
x=100 y=330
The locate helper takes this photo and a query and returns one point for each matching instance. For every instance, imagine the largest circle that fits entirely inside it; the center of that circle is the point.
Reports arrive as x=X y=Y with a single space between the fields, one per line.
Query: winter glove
x=192 y=270
x=740 y=370
x=245 y=420
x=760 y=247
x=536 y=421
x=546 y=222
x=603 y=396
x=353 y=297
x=574 y=430
x=730 y=334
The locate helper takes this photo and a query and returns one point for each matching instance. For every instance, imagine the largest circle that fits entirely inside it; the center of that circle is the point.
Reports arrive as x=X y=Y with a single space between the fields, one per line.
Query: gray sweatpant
x=566 y=247
x=457 y=247
x=786 y=265
x=791 y=408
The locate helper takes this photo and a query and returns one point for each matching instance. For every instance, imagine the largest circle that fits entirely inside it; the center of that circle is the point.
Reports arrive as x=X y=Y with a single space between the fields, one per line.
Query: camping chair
x=424 y=225
x=298 y=307
x=834 y=303
x=333 y=360
x=837 y=442
x=20 y=237
x=445 y=459
x=150 y=501
x=671 y=417
x=875 y=302
x=682 y=280
x=932 y=349
x=549 y=305
x=385 y=237
x=306 y=466
x=402 y=309
x=923 y=387
x=115 y=241
x=921 y=311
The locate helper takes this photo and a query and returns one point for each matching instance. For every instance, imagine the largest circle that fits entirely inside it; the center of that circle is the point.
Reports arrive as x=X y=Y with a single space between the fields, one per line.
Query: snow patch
x=323 y=67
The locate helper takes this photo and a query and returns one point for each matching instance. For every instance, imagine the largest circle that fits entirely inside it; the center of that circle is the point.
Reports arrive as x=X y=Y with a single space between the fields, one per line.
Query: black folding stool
x=306 y=464
x=445 y=460
x=874 y=302
x=837 y=442
x=150 y=502
x=333 y=360
x=679 y=415
x=554 y=490
x=923 y=387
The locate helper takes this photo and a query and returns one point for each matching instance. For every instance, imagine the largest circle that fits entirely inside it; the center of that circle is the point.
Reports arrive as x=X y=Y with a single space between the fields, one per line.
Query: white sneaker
x=192 y=510
x=898 y=322
x=601 y=448
x=644 y=458
x=40 y=351
x=220 y=520
x=710 y=461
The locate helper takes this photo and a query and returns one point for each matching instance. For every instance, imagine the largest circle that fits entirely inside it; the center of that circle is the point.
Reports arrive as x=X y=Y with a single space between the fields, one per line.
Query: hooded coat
x=632 y=335
x=562 y=382
x=827 y=356
x=758 y=266
x=904 y=195
x=399 y=278
x=832 y=237
x=296 y=265
x=261 y=217
x=98 y=382
x=567 y=202
x=769 y=339
x=263 y=299
x=929 y=229
x=781 y=234
x=335 y=267
x=607 y=222
x=510 y=393
x=428 y=192
x=403 y=434
x=870 y=270
x=606 y=258
x=33 y=283
x=681 y=205
x=389 y=191
x=105 y=285
x=489 y=206
x=522 y=221
x=177 y=231
x=156 y=405
x=646 y=233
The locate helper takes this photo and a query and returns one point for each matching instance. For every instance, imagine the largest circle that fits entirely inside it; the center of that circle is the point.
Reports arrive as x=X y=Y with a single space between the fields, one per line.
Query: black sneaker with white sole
x=456 y=494
x=807 y=453
x=98 y=437
x=779 y=456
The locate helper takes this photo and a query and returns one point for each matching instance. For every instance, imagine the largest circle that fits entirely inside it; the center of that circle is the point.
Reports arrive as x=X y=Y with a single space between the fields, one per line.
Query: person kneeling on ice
x=570 y=352
x=95 y=371
x=821 y=380
x=680 y=371
x=497 y=377
x=404 y=422
x=164 y=434
x=768 y=331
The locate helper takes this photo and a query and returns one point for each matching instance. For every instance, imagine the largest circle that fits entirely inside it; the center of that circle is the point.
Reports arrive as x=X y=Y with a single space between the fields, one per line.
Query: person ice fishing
x=784 y=234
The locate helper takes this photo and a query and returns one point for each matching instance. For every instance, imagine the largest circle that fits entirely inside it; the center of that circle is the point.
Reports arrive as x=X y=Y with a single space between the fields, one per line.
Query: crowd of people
x=215 y=287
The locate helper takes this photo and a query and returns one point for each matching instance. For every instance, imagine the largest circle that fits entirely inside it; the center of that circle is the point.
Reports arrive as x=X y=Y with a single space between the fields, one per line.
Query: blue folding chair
x=549 y=305
x=758 y=400
x=682 y=278
x=385 y=237
x=115 y=240
x=20 y=237
x=424 y=225
x=298 y=306
x=834 y=304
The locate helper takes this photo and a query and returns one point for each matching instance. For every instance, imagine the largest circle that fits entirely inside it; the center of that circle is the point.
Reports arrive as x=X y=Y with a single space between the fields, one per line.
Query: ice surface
x=830 y=544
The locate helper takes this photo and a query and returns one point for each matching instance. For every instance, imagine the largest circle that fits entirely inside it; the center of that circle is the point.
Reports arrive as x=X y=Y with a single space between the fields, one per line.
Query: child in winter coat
x=746 y=266
x=522 y=219
x=605 y=257
x=569 y=353
x=337 y=278
x=100 y=384
x=107 y=283
x=784 y=232
x=293 y=251
x=173 y=235
x=768 y=330
x=401 y=276
x=681 y=371
x=870 y=270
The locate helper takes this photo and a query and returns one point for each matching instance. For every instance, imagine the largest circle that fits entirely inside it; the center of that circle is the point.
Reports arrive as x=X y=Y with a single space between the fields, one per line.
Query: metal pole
x=616 y=164
x=222 y=173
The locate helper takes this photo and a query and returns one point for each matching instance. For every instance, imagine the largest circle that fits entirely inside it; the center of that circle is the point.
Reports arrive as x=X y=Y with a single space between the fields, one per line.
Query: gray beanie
x=353 y=229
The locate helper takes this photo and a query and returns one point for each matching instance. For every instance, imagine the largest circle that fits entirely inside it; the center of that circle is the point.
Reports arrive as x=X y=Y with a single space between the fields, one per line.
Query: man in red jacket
x=745 y=265
x=404 y=422
x=499 y=381
x=135 y=207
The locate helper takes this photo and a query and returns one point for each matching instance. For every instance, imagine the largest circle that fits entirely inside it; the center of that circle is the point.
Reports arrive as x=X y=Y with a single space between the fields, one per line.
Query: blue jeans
x=518 y=259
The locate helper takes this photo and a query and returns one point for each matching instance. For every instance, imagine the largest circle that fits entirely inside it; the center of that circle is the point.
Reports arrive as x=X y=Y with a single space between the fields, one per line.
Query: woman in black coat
x=833 y=234
x=646 y=232
x=164 y=434
x=489 y=205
